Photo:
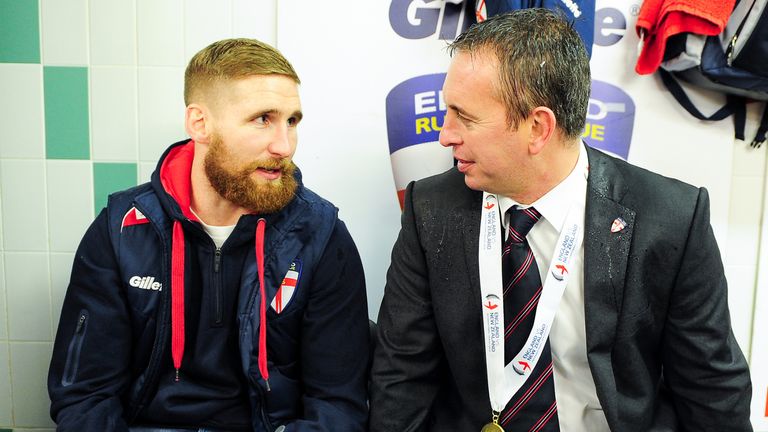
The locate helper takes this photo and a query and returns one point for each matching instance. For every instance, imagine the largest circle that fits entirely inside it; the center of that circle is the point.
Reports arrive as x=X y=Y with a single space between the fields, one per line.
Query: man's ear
x=196 y=119
x=543 y=124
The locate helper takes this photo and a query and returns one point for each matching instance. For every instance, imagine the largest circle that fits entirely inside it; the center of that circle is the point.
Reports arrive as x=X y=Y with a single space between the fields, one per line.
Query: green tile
x=19 y=32
x=66 y=112
x=111 y=177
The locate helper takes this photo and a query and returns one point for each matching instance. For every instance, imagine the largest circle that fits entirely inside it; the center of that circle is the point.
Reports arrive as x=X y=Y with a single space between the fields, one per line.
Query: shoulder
x=120 y=203
x=636 y=187
x=124 y=199
x=445 y=190
x=446 y=183
x=313 y=205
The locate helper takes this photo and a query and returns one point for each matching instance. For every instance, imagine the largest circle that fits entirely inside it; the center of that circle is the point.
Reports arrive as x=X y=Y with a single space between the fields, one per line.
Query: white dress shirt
x=578 y=408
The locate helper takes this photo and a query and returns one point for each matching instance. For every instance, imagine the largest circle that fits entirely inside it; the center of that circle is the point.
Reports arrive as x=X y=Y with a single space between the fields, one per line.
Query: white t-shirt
x=219 y=234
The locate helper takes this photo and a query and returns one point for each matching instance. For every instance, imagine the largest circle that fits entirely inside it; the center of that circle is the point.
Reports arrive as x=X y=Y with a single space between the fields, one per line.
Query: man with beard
x=222 y=295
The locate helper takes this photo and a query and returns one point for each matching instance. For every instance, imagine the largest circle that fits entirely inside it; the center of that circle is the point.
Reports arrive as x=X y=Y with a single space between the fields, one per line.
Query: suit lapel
x=470 y=223
x=605 y=262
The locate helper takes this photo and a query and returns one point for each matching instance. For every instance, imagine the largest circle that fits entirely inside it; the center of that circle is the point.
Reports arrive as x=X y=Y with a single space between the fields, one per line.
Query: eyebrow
x=297 y=114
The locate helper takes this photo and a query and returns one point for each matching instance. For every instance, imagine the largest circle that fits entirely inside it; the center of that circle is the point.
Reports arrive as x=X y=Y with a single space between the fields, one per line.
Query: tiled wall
x=741 y=249
x=90 y=96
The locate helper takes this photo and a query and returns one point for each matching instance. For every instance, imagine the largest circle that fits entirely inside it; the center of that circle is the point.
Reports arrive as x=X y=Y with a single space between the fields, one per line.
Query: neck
x=207 y=204
x=551 y=167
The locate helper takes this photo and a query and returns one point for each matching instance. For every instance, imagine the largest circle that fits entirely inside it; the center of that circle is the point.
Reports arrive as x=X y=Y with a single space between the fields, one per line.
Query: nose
x=283 y=142
x=449 y=135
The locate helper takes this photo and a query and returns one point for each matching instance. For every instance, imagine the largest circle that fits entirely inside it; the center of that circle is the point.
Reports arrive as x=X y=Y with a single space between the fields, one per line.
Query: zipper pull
x=730 y=49
x=216 y=260
x=80 y=323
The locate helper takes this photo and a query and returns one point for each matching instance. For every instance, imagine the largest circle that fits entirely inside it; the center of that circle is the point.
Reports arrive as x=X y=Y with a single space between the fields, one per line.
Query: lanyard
x=504 y=382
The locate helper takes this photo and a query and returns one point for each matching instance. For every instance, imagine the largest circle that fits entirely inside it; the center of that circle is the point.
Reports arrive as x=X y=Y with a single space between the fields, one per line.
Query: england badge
x=618 y=225
x=287 y=287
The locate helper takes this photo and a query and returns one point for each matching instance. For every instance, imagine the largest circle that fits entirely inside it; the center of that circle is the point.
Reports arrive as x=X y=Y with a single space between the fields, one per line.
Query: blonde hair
x=232 y=59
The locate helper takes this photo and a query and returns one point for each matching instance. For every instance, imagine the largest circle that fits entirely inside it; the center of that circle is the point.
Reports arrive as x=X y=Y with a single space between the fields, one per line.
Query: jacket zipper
x=217 y=289
x=732 y=44
x=264 y=419
x=73 y=352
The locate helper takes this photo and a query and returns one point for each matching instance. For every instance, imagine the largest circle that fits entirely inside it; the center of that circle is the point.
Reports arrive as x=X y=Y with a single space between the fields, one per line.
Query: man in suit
x=639 y=335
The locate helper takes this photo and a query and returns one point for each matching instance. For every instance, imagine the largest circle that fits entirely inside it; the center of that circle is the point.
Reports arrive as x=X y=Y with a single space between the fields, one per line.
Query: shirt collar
x=556 y=203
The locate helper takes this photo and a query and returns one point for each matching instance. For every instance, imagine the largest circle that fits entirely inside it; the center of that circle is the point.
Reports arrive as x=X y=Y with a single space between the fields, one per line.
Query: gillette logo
x=419 y=19
x=610 y=25
x=146 y=282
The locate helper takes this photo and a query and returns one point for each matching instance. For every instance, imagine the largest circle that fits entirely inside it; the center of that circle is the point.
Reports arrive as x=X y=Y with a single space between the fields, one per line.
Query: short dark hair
x=542 y=62
x=232 y=59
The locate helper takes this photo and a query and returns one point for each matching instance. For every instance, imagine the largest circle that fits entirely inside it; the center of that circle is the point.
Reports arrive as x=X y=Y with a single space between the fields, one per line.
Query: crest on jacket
x=287 y=287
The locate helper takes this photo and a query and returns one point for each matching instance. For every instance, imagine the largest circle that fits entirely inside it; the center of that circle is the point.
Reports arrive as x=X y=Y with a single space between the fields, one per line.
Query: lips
x=463 y=165
x=269 y=173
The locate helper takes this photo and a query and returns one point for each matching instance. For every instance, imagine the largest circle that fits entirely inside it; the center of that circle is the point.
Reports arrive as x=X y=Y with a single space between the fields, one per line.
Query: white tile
x=741 y=296
x=29 y=363
x=113 y=113
x=22 y=111
x=61 y=270
x=255 y=19
x=6 y=420
x=205 y=22
x=22 y=189
x=29 y=296
x=748 y=161
x=64 y=28
x=1 y=217
x=70 y=202
x=145 y=171
x=744 y=216
x=160 y=26
x=113 y=32
x=161 y=110
x=3 y=310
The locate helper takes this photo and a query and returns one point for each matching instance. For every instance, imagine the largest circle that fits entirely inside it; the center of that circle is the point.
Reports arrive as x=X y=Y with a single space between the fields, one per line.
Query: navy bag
x=580 y=12
x=734 y=63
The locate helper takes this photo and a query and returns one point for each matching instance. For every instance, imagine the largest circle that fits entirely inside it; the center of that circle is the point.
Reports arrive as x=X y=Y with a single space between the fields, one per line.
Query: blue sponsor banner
x=610 y=119
x=415 y=114
x=415 y=111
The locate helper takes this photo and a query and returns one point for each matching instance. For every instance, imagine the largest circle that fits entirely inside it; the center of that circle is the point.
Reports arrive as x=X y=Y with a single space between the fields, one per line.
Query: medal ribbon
x=504 y=382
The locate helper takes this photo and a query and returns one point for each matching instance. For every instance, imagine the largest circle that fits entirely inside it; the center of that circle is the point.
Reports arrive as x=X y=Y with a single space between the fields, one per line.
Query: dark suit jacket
x=659 y=340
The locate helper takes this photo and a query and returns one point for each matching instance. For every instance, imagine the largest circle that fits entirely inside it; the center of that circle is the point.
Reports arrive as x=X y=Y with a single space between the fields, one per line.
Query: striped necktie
x=533 y=407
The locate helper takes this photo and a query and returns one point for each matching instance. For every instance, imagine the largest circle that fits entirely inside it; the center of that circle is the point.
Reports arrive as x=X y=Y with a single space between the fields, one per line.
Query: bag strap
x=734 y=105
x=762 y=129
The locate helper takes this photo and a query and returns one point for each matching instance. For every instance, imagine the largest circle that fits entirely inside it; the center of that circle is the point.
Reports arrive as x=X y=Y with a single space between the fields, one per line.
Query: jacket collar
x=606 y=255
